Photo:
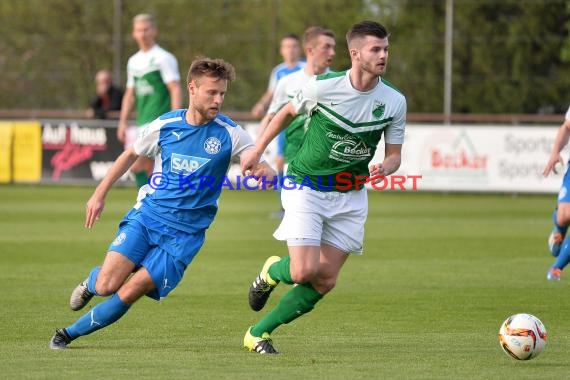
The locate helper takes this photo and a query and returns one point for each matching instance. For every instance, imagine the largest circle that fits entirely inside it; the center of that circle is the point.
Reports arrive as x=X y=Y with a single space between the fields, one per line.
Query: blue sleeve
x=281 y=143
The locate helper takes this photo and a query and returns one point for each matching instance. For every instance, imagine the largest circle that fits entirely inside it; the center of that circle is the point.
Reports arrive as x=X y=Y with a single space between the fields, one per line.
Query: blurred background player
x=108 y=97
x=161 y=234
x=318 y=45
x=290 y=50
x=557 y=242
x=153 y=85
x=354 y=108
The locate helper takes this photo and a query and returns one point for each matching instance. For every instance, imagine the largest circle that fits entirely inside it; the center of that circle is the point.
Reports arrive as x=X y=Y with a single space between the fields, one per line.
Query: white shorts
x=332 y=218
x=131 y=135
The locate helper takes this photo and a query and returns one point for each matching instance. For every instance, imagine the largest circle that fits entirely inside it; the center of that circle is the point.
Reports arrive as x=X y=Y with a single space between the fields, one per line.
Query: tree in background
x=50 y=50
x=509 y=56
x=417 y=52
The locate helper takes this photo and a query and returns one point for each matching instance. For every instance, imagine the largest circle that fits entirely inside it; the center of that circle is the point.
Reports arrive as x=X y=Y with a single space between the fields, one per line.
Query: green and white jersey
x=149 y=72
x=286 y=89
x=344 y=128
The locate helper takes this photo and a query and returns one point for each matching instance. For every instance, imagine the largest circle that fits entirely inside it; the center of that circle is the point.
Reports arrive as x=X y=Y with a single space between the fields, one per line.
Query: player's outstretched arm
x=259 y=108
x=267 y=176
x=559 y=143
x=175 y=95
x=391 y=163
x=96 y=203
x=126 y=108
x=264 y=123
x=282 y=118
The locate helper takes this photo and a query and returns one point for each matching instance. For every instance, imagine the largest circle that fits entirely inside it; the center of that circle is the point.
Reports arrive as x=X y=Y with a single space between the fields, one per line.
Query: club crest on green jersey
x=379 y=109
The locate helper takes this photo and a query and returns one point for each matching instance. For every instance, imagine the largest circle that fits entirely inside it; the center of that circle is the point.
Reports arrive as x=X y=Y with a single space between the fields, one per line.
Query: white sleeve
x=241 y=140
x=280 y=97
x=568 y=114
x=273 y=79
x=130 y=76
x=306 y=99
x=169 y=69
x=146 y=143
x=394 y=134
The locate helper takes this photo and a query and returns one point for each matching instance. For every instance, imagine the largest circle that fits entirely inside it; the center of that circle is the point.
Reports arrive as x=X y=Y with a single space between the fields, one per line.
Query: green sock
x=141 y=179
x=300 y=300
x=281 y=270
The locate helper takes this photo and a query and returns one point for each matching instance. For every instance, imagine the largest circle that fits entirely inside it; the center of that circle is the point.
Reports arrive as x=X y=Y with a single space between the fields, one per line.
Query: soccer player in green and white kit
x=153 y=86
x=348 y=114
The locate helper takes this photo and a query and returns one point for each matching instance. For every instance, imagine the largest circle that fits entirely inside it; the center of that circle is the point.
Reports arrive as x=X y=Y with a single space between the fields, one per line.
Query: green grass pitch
x=439 y=275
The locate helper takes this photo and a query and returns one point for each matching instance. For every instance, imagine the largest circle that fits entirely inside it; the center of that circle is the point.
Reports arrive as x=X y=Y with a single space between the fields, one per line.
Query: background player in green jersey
x=318 y=45
x=348 y=114
x=290 y=50
x=153 y=86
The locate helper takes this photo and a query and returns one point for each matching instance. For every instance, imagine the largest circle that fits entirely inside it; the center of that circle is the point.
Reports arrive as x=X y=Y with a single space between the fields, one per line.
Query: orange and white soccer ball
x=522 y=336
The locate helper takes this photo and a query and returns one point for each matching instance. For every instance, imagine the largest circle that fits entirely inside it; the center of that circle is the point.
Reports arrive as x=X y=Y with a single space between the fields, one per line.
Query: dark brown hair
x=366 y=28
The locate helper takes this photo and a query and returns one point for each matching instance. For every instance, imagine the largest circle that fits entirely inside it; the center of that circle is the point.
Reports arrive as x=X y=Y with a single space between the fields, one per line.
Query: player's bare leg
x=102 y=281
x=315 y=271
x=331 y=261
x=558 y=244
x=106 y=312
x=148 y=165
x=561 y=220
x=142 y=169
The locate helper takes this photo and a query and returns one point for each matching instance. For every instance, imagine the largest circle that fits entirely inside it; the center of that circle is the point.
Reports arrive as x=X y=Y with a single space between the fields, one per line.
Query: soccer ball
x=522 y=336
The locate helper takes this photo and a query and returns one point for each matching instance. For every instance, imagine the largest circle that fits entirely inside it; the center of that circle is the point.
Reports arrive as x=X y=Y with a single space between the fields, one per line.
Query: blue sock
x=564 y=257
x=92 y=279
x=559 y=228
x=100 y=316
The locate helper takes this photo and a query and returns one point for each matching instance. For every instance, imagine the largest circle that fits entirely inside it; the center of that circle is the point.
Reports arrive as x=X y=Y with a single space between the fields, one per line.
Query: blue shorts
x=164 y=251
x=563 y=194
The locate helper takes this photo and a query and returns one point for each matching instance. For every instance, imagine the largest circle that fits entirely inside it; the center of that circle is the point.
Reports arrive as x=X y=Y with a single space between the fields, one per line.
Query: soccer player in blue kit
x=558 y=243
x=161 y=234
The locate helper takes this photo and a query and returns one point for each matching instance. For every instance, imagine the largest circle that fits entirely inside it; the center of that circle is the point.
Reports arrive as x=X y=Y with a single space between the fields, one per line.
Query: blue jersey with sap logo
x=191 y=162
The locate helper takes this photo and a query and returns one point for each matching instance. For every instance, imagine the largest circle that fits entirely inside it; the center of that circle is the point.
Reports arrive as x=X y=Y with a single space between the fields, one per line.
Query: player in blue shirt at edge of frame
x=558 y=242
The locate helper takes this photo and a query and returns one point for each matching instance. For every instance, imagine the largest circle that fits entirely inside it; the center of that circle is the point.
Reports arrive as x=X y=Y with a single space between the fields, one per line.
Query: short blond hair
x=144 y=17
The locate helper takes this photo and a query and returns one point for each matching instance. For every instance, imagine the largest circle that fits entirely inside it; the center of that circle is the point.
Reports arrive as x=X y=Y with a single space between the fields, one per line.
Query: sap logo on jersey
x=180 y=163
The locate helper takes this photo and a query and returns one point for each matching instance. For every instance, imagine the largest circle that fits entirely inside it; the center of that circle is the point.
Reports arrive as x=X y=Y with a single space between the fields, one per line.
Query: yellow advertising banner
x=5 y=151
x=27 y=151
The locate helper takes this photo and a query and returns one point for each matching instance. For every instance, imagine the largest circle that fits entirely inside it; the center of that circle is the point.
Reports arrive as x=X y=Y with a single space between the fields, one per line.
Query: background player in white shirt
x=348 y=114
x=162 y=233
